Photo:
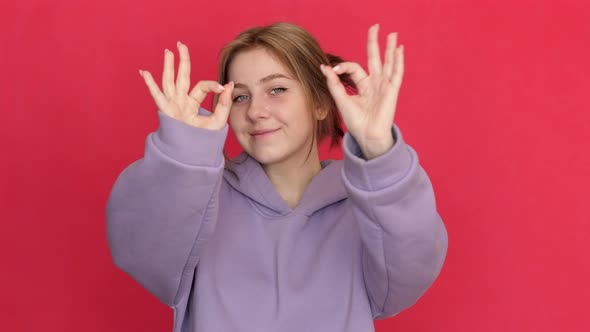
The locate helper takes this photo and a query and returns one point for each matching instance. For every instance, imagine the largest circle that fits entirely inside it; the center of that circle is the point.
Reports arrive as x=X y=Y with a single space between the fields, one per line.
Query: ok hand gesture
x=369 y=115
x=177 y=102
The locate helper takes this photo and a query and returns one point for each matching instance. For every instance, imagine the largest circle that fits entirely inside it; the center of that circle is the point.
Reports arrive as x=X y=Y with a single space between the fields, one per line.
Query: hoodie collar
x=246 y=175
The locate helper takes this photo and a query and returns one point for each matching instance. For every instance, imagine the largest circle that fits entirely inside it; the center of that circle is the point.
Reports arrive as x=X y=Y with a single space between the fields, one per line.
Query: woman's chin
x=266 y=157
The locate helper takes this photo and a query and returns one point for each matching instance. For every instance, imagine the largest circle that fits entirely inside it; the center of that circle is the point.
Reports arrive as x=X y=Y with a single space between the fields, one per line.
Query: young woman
x=277 y=240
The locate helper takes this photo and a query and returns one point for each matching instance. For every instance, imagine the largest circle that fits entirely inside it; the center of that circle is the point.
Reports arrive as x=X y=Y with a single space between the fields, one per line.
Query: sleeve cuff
x=189 y=144
x=380 y=172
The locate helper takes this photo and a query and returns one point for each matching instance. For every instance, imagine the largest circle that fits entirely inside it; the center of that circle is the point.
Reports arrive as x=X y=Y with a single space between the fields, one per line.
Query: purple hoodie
x=216 y=242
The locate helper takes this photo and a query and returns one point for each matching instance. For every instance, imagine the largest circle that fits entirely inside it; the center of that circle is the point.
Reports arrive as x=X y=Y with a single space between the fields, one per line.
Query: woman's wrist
x=376 y=148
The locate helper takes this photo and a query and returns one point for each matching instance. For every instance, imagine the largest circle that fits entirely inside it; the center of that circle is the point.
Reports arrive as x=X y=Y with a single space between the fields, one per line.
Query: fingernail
x=220 y=87
x=336 y=68
x=140 y=72
x=166 y=50
x=178 y=44
x=231 y=84
x=322 y=68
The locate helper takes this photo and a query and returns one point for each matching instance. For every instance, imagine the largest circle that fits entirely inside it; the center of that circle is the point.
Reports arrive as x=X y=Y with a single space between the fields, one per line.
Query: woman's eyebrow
x=264 y=79
x=272 y=77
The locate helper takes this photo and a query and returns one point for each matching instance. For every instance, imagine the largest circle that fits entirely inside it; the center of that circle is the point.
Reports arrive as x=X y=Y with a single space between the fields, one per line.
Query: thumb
x=224 y=103
x=336 y=87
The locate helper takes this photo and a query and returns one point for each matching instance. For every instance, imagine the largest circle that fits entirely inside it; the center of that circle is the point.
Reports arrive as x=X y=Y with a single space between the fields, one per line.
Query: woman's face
x=269 y=114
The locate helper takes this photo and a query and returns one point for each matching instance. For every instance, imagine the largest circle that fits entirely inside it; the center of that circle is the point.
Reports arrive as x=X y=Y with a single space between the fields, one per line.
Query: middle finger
x=374 y=58
x=184 y=70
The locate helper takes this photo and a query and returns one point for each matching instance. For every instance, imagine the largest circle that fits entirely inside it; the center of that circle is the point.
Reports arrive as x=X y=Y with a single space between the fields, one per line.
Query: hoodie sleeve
x=163 y=207
x=403 y=238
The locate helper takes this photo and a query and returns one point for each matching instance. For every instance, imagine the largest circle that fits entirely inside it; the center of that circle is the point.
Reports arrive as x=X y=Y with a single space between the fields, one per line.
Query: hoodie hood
x=246 y=176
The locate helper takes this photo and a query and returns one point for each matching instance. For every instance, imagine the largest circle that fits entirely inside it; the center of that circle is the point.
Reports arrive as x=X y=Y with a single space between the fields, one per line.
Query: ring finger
x=168 y=74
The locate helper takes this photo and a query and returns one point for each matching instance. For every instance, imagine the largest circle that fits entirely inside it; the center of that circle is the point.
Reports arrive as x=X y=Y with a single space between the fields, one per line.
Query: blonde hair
x=301 y=55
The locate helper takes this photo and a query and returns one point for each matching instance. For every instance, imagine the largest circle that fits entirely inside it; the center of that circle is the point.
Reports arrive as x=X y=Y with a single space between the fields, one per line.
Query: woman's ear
x=321 y=113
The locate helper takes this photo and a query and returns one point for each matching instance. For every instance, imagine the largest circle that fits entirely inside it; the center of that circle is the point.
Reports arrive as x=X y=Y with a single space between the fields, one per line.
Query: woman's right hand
x=177 y=102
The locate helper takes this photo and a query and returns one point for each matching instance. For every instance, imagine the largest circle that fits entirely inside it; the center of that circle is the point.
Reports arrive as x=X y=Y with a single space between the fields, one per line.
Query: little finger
x=398 y=72
x=158 y=96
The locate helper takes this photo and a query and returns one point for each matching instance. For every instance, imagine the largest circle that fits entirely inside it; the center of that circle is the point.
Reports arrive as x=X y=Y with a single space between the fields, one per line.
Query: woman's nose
x=258 y=109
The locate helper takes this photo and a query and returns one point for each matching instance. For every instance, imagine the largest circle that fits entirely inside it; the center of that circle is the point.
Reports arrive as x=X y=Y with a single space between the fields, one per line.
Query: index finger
x=202 y=88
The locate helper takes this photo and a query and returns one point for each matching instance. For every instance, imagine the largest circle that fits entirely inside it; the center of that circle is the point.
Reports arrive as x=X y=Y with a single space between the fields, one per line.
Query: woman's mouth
x=263 y=133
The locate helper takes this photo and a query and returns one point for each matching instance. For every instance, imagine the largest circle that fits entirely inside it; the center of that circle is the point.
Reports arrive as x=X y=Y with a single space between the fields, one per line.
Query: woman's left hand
x=368 y=116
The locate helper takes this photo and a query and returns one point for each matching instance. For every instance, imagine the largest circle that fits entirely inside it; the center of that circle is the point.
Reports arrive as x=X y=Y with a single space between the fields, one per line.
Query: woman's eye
x=240 y=98
x=277 y=91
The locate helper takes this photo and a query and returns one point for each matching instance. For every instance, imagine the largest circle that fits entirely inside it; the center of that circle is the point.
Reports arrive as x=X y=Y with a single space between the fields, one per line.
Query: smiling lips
x=262 y=133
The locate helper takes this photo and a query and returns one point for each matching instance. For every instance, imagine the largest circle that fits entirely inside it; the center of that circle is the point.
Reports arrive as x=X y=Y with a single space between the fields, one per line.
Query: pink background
x=494 y=100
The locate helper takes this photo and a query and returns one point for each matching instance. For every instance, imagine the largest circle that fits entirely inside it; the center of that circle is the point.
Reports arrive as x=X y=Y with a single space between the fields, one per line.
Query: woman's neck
x=291 y=178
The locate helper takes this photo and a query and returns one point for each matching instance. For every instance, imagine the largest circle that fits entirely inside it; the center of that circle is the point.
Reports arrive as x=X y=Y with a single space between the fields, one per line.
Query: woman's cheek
x=235 y=113
x=278 y=103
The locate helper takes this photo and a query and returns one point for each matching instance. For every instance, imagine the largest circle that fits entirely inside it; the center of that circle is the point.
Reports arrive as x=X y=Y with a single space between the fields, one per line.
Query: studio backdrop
x=494 y=100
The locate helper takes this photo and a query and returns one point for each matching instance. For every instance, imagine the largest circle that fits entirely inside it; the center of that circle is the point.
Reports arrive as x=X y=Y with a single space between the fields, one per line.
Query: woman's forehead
x=257 y=66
